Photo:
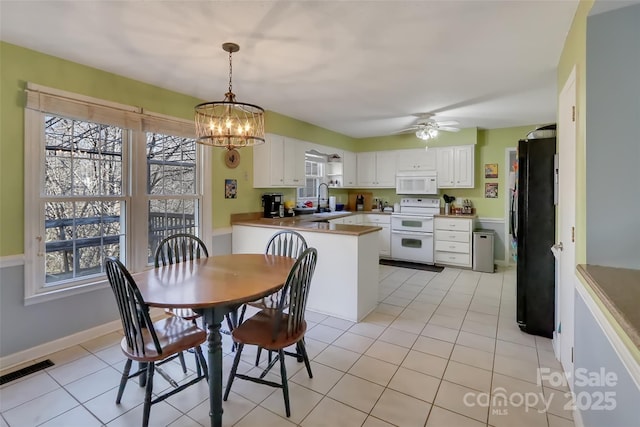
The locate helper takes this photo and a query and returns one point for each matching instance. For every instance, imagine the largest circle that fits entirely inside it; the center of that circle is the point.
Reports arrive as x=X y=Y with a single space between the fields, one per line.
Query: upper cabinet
x=416 y=159
x=279 y=162
x=376 y=169
x=348 y=169
x=455 y=166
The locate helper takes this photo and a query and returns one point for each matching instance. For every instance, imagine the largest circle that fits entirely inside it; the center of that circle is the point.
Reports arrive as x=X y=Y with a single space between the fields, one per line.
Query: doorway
x=510 y=208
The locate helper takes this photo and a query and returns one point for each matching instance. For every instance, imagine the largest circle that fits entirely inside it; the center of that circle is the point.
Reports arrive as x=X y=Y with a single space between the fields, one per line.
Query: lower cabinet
x=384 y=221
x=453 y=241
x=384 y=236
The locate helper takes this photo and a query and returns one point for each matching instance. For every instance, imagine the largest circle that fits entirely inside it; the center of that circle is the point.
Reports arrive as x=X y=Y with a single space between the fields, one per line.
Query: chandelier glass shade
x=229 y=123
x=427 y=132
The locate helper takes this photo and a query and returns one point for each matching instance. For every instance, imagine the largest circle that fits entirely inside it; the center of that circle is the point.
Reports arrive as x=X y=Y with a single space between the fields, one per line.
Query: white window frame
x=41 y=101
x=320 y=177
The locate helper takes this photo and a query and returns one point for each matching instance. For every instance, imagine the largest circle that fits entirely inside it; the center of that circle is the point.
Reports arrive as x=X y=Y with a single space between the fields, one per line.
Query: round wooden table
x=213 y=286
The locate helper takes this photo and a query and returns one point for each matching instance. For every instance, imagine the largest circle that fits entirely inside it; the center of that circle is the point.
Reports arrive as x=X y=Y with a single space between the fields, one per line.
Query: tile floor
x=441 y=349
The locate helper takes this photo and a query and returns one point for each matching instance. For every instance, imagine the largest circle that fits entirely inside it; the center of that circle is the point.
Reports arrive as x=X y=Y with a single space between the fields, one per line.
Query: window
x=89 y=198
x=314 y=175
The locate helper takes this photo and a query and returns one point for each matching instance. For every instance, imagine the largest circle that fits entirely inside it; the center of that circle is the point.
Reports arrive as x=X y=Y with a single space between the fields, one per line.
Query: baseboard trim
x=40 y=351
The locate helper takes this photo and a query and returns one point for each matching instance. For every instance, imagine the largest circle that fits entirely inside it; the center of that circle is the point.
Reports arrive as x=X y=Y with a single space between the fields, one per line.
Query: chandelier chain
x=230 y=71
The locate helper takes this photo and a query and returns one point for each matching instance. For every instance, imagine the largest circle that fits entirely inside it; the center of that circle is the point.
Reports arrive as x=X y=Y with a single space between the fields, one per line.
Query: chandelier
x=426 y=132
x=228 y=123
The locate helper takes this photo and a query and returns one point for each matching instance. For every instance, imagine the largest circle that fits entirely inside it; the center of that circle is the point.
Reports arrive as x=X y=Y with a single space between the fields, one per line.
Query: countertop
x=619 y=291
x=313 y=223
x=467 y=216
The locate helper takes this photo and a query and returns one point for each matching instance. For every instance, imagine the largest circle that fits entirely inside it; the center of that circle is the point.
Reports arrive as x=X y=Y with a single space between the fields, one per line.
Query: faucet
x=320 y=185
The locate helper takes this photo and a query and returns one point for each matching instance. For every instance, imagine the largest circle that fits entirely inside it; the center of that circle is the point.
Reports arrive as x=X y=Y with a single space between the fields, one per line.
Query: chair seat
x=257 y=330
x=174 y=334
x=185 y=313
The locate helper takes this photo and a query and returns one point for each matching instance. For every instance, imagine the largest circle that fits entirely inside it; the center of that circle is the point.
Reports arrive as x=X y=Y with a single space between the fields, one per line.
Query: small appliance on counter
x=360 y=202
x=272 y=204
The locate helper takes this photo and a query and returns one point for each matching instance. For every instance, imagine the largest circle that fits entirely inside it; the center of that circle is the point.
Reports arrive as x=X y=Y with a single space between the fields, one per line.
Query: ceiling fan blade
x=448 y=129
x=447 y=123
x=409 y=129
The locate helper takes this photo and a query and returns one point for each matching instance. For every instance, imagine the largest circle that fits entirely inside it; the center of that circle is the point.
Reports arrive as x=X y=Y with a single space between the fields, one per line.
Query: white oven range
x=412 y=230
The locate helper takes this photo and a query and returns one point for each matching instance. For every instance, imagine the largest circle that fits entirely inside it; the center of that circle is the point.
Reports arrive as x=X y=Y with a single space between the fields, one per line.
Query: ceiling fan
x=426 y=127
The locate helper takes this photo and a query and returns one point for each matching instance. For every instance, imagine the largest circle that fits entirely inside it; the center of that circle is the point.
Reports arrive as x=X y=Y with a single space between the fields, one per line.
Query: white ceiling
x=360 y=68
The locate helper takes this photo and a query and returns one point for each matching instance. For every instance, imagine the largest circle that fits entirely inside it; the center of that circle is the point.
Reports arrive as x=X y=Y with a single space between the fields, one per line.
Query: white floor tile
x=398 y=337
x=324 y=378
x=332 y=413
x=401 y=410
x=471 y=356
x=468 y=376
x=77 y=416
x=461 y=400
x=435 y=341
x=425 y=363
x=41 y=409
x=373 y=370
x=356 y=392
x=19 y=392
x=388 y=352
x=440 y=417
x=337 y=358
x=415 y=384
x=433 y=346
x=354 y=342
x=261 y=417
x=301 y=399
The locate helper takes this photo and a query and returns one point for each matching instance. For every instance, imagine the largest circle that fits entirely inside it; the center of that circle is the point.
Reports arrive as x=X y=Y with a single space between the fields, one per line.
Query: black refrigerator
x=533 y=212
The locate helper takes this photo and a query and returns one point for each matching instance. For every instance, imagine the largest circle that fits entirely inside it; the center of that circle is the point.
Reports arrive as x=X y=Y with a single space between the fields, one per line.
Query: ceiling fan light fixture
x=427 y=132
x=229 y=123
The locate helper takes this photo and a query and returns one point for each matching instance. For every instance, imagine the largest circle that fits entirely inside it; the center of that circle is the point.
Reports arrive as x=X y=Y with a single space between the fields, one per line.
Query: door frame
x=507 y=205
x=566 y=220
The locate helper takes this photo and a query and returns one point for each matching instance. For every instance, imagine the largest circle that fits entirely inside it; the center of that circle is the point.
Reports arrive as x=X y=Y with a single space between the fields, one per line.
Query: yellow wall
x=574 y=55
x=20 y=65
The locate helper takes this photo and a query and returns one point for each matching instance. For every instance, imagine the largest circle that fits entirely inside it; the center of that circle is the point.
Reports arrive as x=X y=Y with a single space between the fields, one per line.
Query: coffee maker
x=272 y=204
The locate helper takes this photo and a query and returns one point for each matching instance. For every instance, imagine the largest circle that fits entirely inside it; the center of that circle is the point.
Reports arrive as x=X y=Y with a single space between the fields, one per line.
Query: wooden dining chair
x=181 y=247
x=275 y=329
x=287 y=243
x=150 y=343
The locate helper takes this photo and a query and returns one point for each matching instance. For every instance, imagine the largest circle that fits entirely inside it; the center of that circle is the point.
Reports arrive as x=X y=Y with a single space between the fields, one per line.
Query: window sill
x=46 y=296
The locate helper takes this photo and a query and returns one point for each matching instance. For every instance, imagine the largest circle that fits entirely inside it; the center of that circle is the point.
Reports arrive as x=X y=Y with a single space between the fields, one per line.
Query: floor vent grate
x=25 y=371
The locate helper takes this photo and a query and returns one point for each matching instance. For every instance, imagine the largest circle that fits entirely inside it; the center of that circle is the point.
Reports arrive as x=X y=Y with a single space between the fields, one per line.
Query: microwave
x=417 y=182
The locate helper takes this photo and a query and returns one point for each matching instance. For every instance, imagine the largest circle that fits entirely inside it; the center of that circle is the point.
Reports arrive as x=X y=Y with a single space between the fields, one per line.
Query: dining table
x=214 y=286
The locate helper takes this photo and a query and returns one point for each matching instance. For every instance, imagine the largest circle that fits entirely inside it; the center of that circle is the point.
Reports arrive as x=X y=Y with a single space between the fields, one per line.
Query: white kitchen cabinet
x=416 y=160
x=279 y=162
x=376 y=169
x=294 y=157
x=456 y=166
x=348 y=169
x=384 y=235
x=452 y=241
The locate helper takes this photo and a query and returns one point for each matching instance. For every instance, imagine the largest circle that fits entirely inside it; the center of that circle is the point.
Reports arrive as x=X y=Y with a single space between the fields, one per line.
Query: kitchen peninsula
x=345 y=283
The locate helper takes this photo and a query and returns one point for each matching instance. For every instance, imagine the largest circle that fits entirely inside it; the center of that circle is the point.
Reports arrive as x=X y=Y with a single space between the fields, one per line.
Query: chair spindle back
x=178 y=248
x=297 y=288
x=134 y=312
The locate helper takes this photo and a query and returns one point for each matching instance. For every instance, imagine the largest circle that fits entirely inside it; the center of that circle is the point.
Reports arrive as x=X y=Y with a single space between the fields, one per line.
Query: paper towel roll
x=332 y=203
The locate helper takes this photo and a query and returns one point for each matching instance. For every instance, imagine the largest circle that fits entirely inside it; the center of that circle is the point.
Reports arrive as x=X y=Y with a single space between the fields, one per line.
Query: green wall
x=20 y=65
x=574 y=54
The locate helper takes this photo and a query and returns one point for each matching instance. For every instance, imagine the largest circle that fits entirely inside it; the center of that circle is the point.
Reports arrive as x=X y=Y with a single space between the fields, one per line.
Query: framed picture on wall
x=491 y=190
x=491 y=170
x=230 y=188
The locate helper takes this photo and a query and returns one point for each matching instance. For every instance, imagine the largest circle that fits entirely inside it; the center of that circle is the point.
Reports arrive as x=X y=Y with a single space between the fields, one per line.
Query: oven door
x=410 y=246
x=418 y=223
